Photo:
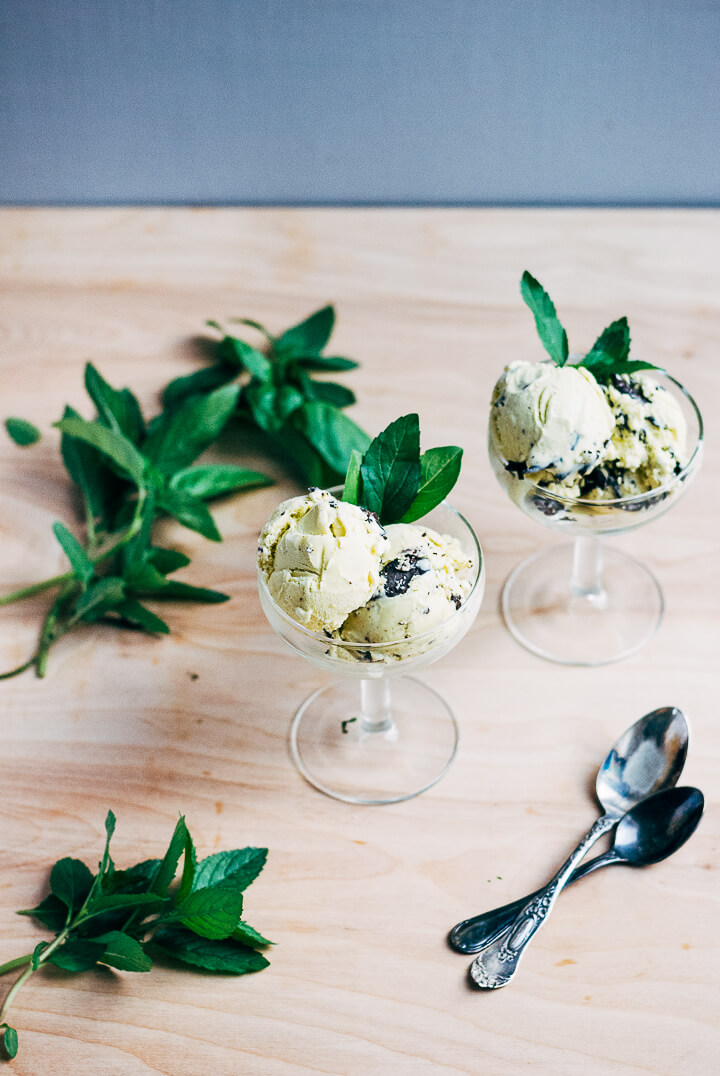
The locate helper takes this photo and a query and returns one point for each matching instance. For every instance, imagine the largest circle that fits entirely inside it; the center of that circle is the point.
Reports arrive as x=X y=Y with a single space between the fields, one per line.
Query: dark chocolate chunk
x=628 y=387
x=516 y=468
x=399 y=573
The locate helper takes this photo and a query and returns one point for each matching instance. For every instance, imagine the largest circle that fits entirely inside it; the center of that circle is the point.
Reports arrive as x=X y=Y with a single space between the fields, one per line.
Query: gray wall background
x=360 y=101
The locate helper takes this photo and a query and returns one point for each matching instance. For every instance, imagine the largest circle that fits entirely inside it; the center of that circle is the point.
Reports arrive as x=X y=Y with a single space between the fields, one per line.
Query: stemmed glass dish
x=374 y=734
x=586 y=603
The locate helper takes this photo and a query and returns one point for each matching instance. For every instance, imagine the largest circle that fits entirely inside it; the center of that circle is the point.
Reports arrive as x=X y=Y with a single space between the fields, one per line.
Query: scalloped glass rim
x=381 y=647
x=636 y=498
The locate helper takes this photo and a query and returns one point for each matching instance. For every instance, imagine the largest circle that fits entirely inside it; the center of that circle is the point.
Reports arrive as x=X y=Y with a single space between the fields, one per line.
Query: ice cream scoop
x=424 y=578
x=321 y=558
x=548 y=417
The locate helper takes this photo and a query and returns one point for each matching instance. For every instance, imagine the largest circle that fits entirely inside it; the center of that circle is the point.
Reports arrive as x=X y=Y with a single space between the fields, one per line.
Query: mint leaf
x=192 y=512
x=237 y=352
x=326 y=363
x=133 y=880
x=110 y=443
x=166 y=560
x=144 y=580
x=439 y=471
x=189 y=868
x=123 y=952
x=70 y=882
x=609 y=354
x=76 y=954
x=552 y=335
x=351 y=489
x=117 y=408
x=212 y=913
x=37 y=953
x=110 y=902
x=228 y=957
x=216 y=480
x=330 y=392
x=168 y=867
x=260 y=399
x=391 y=469
x=177 y=437
x=310 y=336
x=10 y=1041
x=99 y=597
x=246 y=321
x=331 y=433
x=22 y=432
x=136 y=613
x=51 y=912
x=246 y=934
x=82 y=567
x=201 y=381
x=239 y=868
x=88 y=470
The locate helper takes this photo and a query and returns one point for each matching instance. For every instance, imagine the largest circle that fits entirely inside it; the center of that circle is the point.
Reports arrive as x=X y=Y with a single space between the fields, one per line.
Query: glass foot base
x=337 y=753
x=546 y=617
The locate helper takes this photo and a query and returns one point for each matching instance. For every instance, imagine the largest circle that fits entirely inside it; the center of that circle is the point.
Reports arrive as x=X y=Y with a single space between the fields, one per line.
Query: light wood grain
x=624 y=978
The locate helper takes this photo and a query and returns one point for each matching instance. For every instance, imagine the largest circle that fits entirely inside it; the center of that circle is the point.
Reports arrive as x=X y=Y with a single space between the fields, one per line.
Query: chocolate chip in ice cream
x=399 y=573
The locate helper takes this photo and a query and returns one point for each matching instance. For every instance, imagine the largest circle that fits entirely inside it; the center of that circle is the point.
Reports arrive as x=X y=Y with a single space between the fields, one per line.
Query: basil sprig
x=124 y=918
x=394 y=480
x=609 y=355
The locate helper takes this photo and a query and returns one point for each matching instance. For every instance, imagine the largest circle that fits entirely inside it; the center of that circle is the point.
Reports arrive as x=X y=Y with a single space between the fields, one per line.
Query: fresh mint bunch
x=608 y=356
x=300 y=416
x=129 y=473
x=125 y=918
x=394 y=480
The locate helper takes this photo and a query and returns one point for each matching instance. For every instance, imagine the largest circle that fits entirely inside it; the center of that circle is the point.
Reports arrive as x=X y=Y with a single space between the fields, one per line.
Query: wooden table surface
x=359 y=899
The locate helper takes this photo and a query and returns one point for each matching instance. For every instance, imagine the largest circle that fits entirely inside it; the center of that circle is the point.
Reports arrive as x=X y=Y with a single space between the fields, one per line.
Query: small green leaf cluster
x=608 y=356
x=129 y=473
x=301 y=417
x=394 y=480
x=125 y=918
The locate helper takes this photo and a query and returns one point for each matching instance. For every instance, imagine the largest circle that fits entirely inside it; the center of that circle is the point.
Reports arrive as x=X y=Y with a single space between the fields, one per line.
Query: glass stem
x=375 y=713
x=586 y=579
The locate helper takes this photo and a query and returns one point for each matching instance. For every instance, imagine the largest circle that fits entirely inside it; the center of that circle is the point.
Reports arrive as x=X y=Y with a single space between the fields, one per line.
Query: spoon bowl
x=647 y=757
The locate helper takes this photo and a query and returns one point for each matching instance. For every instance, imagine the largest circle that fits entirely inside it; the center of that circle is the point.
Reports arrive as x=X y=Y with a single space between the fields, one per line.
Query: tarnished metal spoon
x=648 y=757
x=651 y=831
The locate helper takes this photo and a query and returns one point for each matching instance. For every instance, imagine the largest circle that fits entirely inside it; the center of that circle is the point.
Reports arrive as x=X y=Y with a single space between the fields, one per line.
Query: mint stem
x=29 y=970
x=18 y=962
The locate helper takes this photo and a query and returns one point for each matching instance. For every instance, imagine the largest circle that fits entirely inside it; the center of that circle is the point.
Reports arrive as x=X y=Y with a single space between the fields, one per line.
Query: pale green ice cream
x=321 y=558
x=425 y=577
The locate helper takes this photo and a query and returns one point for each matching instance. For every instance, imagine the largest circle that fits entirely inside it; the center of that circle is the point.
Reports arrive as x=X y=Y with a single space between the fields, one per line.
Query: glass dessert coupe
x=585 y=603
x=374 y=734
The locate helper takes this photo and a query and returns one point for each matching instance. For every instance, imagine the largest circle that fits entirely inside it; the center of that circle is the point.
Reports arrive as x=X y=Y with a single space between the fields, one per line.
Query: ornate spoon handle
x=496 y=965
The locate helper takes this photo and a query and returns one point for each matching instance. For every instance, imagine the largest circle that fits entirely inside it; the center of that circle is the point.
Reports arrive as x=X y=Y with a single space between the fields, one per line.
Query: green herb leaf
x=216 y=480
x=326 y=363
x=351 y=489
x=391 y=469
x=136 y=613
x=105 y=862
x=82 y=567
x=189 y=869
x=552 y=335
x=190 y=511
x=168 y=867
x=135 y=879
x=88 y=470
x=117 y=408
x=110 y=443
x=10 y=1041
x=145 y=580
x=77 y=954
x=99 y=597
x=22 y=432
x=177 y=437
x=70 y=882
x=310 y=336
x=237 y=352
x=123 y=952
x=37 y=953
x=439 y=471
x=167 y=561
x=246 y=934
x=228 y=957
x=212 y=913
x=51 y=912
x=609 y=354
x=260 y=399
x=238 y=868
x=331 y=392
x=201 y=381
x=331 y=433
x=304 y=460
x=247 y=321
x=111 y=902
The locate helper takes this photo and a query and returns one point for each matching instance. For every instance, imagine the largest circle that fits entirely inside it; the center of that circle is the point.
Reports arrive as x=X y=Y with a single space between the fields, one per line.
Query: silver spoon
x=648 y=757
x=651 y=831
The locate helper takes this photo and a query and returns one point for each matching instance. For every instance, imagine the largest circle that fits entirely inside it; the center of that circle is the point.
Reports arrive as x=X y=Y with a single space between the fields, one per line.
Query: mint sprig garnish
x=22 y=432
x=130 y=473
x=124 y=918
x=394 y=480
x=552 y=335
x=609 y=355
x=300 y=417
